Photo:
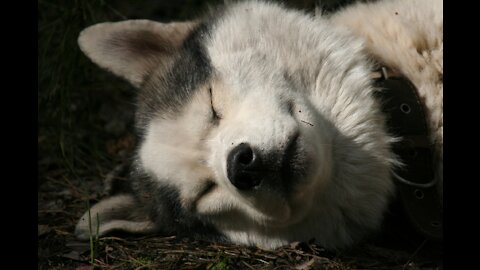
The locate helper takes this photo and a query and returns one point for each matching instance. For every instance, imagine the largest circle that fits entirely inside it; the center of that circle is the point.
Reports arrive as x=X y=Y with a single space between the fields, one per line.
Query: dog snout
x=244 y=167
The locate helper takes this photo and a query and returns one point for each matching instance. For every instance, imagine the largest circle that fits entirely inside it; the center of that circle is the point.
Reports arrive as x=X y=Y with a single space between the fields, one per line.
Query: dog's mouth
x=208 y=188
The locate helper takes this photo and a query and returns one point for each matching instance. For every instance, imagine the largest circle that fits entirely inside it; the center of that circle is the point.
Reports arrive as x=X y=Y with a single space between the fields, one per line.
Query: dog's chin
x=263 y=208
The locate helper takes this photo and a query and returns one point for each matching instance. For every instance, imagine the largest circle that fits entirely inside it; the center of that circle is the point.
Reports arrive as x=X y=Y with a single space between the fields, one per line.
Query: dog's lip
x=208 y=187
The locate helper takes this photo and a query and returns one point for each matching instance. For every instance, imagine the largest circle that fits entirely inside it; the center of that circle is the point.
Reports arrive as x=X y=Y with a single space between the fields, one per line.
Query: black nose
x=243 y=166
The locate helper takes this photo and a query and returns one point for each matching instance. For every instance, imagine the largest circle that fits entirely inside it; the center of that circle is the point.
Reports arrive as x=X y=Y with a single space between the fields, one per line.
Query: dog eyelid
x=216 y=116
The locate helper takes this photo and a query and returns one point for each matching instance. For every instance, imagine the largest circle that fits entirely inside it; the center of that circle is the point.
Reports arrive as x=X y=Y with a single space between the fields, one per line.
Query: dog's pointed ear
x=116 y=213
x=131 y=49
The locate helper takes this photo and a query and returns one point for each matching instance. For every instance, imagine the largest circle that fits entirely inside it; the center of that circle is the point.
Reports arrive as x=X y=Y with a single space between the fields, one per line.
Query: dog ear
x=131 y=49
x=116 y=213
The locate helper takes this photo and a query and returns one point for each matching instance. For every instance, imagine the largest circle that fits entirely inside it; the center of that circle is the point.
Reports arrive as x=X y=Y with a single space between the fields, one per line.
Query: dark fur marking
x=292 y=164
x=163 y=204
x=166 y=91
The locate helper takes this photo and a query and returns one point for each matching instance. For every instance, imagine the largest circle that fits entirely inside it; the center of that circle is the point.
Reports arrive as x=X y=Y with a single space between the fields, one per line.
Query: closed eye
x=215 y=116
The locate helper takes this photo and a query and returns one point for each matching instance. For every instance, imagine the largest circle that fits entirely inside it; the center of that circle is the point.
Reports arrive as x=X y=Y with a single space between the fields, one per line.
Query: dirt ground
x=85 y=136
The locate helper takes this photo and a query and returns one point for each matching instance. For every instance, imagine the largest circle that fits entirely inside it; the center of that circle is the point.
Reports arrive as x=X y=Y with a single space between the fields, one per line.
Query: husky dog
x=259 y=125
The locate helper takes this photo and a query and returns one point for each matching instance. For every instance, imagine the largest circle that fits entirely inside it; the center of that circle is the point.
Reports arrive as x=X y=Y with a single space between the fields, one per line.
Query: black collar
x=415 y=181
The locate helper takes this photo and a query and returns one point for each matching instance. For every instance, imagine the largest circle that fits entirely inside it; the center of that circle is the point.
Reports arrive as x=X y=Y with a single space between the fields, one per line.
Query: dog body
x=259 y=124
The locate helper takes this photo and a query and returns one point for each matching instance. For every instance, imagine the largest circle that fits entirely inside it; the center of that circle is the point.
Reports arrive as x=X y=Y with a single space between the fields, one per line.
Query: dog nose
x=243 y=165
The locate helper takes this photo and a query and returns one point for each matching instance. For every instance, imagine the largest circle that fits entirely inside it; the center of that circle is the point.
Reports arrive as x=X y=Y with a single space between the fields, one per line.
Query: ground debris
x=43 y=229
x=85 y=267
x=74 y=255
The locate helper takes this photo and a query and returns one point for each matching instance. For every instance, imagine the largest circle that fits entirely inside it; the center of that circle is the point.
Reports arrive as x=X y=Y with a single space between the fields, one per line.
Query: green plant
x=93 y=237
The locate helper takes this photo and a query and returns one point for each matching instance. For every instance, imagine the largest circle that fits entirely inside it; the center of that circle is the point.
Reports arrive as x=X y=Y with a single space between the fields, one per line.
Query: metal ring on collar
x=410 y=183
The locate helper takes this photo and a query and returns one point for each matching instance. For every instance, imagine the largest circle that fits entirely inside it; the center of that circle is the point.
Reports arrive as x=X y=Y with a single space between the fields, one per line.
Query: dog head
x=261 y=120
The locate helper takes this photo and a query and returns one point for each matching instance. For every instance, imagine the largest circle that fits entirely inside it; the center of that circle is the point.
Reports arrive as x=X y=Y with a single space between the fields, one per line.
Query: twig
x=307 y=123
